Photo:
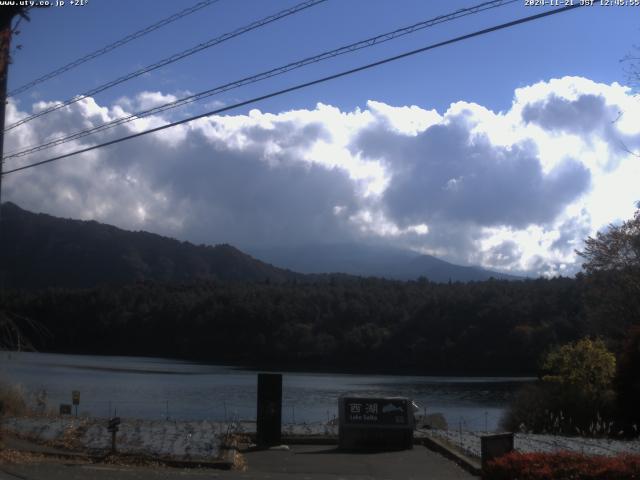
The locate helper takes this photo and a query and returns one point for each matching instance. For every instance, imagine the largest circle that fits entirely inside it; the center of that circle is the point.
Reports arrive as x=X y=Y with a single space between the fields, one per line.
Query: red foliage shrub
x=562 y=465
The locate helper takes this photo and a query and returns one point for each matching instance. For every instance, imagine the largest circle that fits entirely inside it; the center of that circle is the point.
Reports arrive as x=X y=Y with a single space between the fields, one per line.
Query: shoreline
x=287 y=368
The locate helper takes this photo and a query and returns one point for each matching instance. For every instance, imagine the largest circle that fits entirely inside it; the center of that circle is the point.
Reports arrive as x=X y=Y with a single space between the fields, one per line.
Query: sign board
x=376 y=411
x=113 y=424
x=65 y=409
x=375 y=422
x=75 y=397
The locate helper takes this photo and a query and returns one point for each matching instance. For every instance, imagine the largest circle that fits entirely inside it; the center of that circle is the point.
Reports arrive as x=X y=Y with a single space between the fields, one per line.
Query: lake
x=155 y=388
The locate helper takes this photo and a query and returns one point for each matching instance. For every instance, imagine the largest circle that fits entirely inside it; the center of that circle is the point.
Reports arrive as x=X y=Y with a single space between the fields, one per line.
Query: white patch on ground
x=158 y=438
x=201 y=439
x=469 y=442
x=176 y=439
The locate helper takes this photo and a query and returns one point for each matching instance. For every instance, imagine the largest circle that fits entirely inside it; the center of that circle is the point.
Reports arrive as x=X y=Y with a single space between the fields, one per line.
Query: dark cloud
x=589 y=116
x=572 y=234
x=217 y=193
x=584 y=115
x=446 y=173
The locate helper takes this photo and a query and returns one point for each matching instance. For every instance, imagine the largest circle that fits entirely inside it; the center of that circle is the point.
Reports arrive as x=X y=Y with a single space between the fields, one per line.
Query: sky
x=504 y=151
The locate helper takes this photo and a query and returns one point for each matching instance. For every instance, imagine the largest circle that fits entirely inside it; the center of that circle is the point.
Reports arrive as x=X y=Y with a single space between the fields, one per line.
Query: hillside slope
x=39 y=250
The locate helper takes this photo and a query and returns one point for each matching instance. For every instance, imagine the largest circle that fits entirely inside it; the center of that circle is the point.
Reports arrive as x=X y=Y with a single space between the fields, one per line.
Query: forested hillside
x=242 y=311
x=496 y=327
x=39 y=250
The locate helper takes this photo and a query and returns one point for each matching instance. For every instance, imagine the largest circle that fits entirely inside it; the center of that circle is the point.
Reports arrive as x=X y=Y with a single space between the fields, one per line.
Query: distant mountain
x=368 y=260
x=38 y=250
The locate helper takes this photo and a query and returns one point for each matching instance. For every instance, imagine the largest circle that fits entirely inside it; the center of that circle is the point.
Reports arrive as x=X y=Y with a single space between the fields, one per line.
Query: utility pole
x=6 y=17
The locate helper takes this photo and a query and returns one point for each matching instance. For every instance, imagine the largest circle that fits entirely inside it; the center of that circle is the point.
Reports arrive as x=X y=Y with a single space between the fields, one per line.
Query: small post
x=113 y=428
x=293 y=413
x=167 y=411
x=486 y=422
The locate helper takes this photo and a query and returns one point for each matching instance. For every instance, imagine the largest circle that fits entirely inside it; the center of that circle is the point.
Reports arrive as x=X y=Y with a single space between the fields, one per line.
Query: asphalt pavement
x=304 y=462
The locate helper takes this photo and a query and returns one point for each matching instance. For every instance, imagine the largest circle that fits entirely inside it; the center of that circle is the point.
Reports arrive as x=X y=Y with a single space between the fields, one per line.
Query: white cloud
x=517 y=190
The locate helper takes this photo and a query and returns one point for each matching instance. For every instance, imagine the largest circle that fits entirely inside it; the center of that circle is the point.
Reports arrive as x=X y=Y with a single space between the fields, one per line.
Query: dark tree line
x=344 y=323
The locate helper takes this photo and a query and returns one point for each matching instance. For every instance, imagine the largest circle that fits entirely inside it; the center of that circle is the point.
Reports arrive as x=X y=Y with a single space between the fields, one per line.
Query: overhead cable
x=112 y=46
x=369 y=42
x=303 y=85
x=173 y=58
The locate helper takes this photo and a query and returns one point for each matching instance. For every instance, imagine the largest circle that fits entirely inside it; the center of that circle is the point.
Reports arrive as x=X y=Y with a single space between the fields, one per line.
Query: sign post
x=75 y=399
x=269 y=418
x=113 y=428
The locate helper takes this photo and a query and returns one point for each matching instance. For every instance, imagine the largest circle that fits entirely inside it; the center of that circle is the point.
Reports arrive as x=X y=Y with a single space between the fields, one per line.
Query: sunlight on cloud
x=516 y=190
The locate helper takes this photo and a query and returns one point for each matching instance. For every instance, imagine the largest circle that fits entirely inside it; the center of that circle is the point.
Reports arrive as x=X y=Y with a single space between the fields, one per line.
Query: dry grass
x=8 y=456
x=13 y=400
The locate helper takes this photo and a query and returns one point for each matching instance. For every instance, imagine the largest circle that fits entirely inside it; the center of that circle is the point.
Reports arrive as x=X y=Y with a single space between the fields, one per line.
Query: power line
x=173 y=58
x=304 y=85
x=112 y=46
x=264 y=75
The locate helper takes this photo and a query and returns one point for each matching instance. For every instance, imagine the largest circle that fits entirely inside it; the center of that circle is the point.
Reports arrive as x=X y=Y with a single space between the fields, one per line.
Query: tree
x=585 y=365
x=612 y=267
x=573 y=396
x=617 y=249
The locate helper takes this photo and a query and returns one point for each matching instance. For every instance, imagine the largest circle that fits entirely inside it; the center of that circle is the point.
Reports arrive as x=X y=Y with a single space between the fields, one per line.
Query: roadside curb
x=310 y=439
x=226 y=461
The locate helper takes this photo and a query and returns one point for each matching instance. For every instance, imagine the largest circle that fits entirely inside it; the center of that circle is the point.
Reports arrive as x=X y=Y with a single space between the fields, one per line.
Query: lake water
x=155 y=388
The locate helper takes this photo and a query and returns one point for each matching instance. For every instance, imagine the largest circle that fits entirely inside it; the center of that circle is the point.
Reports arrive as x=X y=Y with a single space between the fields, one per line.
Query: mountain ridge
x=373 y=260
x=38 y=250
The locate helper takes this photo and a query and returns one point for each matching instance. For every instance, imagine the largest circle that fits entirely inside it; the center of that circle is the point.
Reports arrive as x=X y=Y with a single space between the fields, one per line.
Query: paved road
x=304 y=462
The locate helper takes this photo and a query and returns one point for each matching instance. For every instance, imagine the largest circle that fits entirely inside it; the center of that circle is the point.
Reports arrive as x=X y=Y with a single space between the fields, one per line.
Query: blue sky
x=588 y=42
x=504 y=151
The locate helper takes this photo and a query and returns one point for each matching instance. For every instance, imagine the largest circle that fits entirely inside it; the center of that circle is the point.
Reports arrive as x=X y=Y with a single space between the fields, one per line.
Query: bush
x=562 y=465
x=559 y=410
x=574 y=396
x=12 y=402
x=627 y=384
x=12 y=399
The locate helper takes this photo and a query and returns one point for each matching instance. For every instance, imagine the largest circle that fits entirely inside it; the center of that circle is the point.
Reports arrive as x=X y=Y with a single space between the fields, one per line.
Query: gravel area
x=469 y=442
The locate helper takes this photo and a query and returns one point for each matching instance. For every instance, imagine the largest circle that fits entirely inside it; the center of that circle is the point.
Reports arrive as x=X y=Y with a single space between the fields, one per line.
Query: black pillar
x=269 y=409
